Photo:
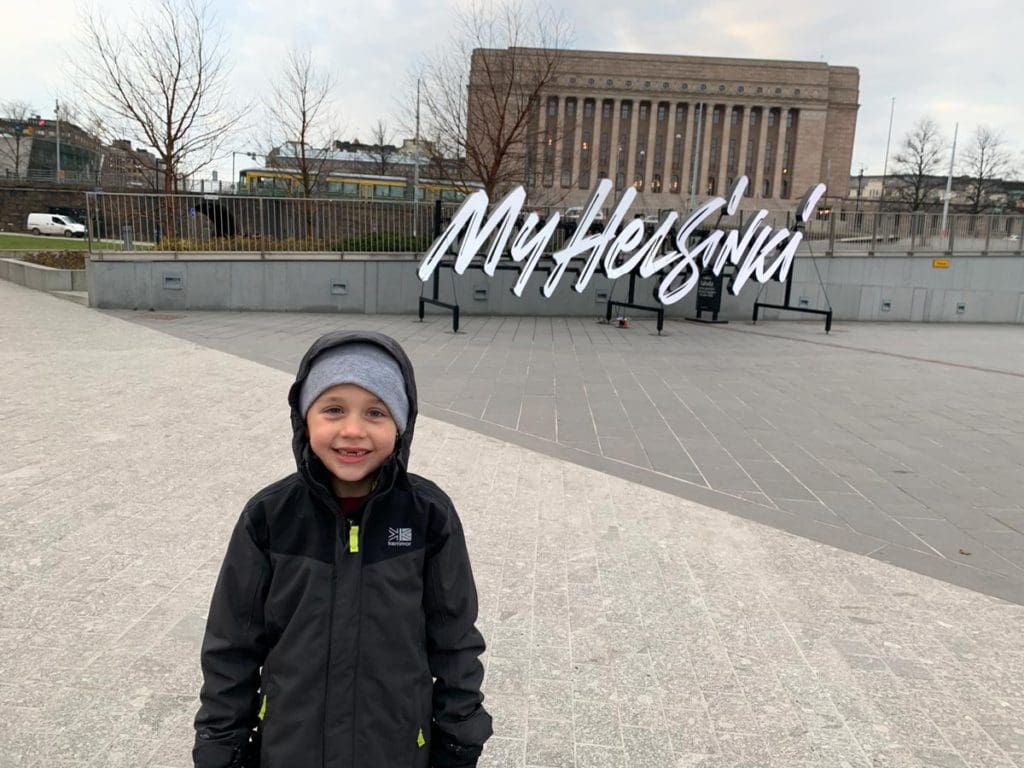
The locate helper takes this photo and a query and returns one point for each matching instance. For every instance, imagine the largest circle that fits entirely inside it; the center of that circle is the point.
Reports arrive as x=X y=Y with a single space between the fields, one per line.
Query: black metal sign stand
x=450 y=264
x=438 y=303
x=789 y=287
x=631 y=303
x=807 y=310
x=709 y=295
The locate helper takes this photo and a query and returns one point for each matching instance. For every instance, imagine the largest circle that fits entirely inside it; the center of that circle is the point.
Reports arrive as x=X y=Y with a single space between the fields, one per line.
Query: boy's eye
x=377 y=413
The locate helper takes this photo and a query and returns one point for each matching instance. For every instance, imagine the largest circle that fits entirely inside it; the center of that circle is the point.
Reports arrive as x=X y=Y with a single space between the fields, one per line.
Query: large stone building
x=665 y=124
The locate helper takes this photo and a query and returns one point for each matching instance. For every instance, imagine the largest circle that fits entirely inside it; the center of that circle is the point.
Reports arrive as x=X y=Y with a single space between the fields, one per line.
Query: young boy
x=342 y=623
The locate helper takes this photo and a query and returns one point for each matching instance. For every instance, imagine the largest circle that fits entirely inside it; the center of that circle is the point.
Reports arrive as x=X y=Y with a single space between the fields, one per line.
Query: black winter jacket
x=350 y=645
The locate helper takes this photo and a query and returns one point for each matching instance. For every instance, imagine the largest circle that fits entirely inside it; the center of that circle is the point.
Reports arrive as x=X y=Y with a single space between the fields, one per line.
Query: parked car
x=54 y=224
x=573 y=215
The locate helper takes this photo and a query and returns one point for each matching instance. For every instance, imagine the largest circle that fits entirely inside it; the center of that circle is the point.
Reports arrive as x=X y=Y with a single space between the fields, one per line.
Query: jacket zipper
x=359 y=629
x=327 y=670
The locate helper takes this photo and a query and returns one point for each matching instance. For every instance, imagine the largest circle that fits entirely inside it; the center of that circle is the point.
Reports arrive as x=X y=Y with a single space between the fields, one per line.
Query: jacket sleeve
x=233 y=651
x=461 y=725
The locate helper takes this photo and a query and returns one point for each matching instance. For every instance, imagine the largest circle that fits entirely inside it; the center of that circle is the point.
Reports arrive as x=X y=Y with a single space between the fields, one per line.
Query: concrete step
x=79 y=297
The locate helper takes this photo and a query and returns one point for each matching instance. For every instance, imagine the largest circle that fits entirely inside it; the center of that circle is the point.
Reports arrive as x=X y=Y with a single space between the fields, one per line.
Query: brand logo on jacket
x=399 y=537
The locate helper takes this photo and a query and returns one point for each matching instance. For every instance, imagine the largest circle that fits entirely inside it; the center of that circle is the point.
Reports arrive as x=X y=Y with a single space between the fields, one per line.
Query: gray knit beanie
x=365 y=365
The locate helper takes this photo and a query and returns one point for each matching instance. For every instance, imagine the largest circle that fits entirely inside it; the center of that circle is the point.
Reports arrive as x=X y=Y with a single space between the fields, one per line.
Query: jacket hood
x=305 y=459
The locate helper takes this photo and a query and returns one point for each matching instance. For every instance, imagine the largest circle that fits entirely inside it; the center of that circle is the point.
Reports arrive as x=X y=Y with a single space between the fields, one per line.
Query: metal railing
x=261 y=225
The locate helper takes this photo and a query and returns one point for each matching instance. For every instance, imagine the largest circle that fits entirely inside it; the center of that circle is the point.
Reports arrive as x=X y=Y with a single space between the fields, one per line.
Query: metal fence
x=261 y=225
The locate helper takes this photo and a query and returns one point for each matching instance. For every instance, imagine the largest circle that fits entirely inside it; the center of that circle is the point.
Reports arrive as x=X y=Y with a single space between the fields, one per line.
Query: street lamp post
x=56 y=109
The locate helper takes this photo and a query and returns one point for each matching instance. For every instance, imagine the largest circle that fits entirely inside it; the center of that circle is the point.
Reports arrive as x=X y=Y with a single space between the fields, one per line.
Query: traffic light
x=40 y=122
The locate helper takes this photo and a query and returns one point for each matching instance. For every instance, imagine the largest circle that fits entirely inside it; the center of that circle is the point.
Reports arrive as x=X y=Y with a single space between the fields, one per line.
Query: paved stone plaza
x=637 y=612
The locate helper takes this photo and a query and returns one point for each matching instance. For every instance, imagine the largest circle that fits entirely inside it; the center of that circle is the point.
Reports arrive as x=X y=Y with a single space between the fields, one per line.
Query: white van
x=54 y=224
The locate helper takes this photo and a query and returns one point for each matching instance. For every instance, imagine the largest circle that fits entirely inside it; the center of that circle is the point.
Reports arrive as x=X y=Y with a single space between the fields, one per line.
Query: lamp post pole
x=56 y=109
x=949 y=180
x=416 y=164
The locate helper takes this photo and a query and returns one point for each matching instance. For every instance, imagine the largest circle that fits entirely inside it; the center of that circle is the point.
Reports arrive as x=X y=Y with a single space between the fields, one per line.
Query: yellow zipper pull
x=353 y=538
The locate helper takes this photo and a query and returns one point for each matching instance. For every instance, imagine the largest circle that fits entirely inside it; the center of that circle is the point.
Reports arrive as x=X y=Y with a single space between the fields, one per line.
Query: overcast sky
x=950 y=59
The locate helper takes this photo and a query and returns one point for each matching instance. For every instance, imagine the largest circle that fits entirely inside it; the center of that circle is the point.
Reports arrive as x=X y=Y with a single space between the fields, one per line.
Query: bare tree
x=917 y=166
x=381 y=149
x=481 y=94
x=985 y=161
x=16 y=115
x=300 y=109
x=162 y=83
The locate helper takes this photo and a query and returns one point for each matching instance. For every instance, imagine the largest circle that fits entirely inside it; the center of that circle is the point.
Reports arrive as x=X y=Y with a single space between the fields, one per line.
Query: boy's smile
x=352 y=433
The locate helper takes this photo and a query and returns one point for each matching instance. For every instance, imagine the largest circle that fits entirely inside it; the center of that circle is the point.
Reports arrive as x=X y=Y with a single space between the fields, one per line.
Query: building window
x=785 y=188
x=643 y=110
x=767 y=156
x=620 y=181
x=753 y=119
x=548 y=179
x=656 y=183
x=638 y=182
x=606 y=110
x=750 y=156
x=716 y=115
x=675 y=183
x=625 y=111
x=771 y=118
x=680 y=113
x=711 y=185
x=735 y=117
x=588 y=108
x=713 y=157
x=731 y=164
x=766 y=188
x=789 y=119
x=570 y=107
x=662 y=112
x=552 y=107
x=585 y=179
x=566 y=179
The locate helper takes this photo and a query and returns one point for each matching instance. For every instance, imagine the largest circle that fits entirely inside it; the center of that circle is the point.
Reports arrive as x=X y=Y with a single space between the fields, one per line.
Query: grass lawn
x=17 y=242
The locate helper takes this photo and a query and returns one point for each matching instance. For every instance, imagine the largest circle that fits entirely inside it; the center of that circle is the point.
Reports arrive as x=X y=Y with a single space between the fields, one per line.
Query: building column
x=690 y=153
x=577 y=143
x=634 y=127
x=706 y=127
x=723 y=168
x=652 y=131
x=670 y=151
x=559 y=138
x=777 y=177
x=536 y=183
x=762 y=139
x=613 y=146
x=741 y=148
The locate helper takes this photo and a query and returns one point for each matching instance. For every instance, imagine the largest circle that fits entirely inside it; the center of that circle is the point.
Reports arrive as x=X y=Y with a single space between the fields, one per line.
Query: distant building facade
x=128 y=168
x=865 y=193
x=665 y=123
x=29 y=151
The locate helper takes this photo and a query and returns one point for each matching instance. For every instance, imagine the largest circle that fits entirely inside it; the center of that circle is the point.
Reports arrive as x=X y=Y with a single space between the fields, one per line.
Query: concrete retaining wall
x=42 y=278
x=903 y=288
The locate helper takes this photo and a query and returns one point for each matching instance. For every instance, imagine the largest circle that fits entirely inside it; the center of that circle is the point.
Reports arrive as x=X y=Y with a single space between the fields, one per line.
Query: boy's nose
x=351 y=426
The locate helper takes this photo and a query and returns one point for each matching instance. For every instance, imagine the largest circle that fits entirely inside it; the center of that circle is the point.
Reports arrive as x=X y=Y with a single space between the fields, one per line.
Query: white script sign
x=621 y=246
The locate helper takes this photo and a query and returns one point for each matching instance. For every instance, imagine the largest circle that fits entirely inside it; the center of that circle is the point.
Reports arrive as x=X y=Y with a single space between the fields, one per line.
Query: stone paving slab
x=897 y=440
x=626 y=626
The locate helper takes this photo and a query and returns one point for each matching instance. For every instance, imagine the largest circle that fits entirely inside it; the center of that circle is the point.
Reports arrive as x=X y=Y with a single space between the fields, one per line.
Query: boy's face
x=351 y=431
